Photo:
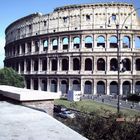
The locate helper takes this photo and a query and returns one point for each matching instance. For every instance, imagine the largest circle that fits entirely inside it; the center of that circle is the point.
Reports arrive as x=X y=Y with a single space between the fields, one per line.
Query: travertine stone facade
x=75 y=48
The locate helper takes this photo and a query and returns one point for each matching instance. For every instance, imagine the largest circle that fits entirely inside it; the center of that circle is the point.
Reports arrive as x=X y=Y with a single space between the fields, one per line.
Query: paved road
x=113 y=101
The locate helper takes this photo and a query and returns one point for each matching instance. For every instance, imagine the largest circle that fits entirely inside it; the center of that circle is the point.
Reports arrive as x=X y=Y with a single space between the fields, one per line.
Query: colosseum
x=75 y=48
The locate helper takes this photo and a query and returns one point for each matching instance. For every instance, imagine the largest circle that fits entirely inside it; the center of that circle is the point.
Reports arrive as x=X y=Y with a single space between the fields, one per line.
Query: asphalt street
x=114 y=102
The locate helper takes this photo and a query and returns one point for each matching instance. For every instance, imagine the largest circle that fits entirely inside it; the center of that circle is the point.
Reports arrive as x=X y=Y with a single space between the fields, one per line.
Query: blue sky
x=11 y=10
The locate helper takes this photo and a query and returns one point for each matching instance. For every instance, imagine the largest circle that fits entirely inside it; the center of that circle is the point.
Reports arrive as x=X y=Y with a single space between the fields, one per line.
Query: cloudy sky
x=11 y=10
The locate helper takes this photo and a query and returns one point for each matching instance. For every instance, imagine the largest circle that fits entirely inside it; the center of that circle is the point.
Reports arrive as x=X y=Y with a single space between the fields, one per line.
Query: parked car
x=67 y=114
x=59 y=108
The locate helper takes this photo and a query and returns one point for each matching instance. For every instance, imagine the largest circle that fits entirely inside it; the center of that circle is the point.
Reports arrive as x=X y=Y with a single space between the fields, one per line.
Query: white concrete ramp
x=21 y=123
x=21 y=94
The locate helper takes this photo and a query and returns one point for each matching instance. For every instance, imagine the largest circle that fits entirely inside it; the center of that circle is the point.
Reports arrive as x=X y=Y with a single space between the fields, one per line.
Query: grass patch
x=90 y=106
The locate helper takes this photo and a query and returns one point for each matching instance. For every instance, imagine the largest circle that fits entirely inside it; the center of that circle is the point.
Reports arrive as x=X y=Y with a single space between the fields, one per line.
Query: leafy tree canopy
x=10 y=77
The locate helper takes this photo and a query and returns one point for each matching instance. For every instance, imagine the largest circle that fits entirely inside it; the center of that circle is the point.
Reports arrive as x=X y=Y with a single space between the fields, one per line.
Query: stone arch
x=113 y=64
x=100 y=87
x=113 y=88
x=76 y=42
x=101 y=64
x=54 y=44
x=53 y=86
x=76 y=85
x=127 y=64
x=65 y=64
x=126 y=42
x=44 y=84
x=138 y=64
x=54 y=65
x=137 y=42
x=88 y=64
x=113 y=42
x=137 y=87
x=64 y=86
x=76 y=64
x=126 y=87
x=101 y=41
x=65 y=42
x=88 y=41
x=45 y=45
x=88 y=87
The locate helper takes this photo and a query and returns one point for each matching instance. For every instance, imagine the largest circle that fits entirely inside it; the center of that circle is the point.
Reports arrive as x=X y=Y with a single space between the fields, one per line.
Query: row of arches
x=75 y=64
x=88 y=86
x=88 y=40
x=66 y=43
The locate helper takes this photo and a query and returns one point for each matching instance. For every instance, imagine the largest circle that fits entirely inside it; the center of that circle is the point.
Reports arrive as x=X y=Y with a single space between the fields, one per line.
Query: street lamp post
x=118 y=58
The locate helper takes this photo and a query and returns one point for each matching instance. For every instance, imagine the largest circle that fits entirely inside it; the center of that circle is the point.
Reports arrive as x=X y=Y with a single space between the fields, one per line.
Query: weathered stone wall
x=45 y=106
x=69 y=18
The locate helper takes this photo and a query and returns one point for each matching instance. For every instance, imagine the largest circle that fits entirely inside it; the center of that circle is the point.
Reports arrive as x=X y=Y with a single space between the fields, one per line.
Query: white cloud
x=2 y=53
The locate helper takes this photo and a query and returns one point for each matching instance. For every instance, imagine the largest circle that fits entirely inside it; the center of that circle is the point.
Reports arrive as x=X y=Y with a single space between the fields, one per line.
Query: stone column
x=82 y=86
x=32 y=83
x=32 y=65
x=95 y=87
x=26 y=47
x=121 y=87
x=82 y=46
x=58 y=85
x=69 y=63
x=107 y=87
x=59 y=44
x=40 y=46
x=25 y=66
x=49 y=44
x=32 y=46
x=70 y=43
x=39 y=84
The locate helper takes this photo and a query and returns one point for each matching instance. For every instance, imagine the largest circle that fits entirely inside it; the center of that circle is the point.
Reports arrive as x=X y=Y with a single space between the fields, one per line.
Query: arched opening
x=55 y=44
x=88 y=87
x=64 y=87
x=113 y=88
x=88 y=64
x=28 y=65
x=126 y=42
x=65 y=43
x=113 y=64
x=126 y=88
x=101 y=64
x=137 y=87
x=28 y=83
x=76 y=43
x=76 y=85
x=35 y=65
x=88 y=42
x=113 y=42
x=127 y=64
x=137 y=42
x=138 y=64
x=29 y=47
x=35 y=84
x=53 y=86
x=44 y=85
x=36 y=46
x=45 y=45
x=44 y=64
x=101 y=42
x=101 y=88
x=54 y=65
x=76 y=64
x=65 y=65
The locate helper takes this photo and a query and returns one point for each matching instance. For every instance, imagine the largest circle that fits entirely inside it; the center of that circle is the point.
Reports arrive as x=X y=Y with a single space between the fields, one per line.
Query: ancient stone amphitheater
x=75 y=48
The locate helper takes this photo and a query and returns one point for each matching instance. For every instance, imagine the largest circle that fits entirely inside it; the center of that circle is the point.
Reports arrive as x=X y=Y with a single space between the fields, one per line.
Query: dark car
x=59 y=108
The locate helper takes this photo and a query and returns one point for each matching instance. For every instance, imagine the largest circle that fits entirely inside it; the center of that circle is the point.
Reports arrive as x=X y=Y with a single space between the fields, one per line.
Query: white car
x=67 y=114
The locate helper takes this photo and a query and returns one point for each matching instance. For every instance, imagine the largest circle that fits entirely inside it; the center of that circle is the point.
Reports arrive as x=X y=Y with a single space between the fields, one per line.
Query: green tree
x=10 y=77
